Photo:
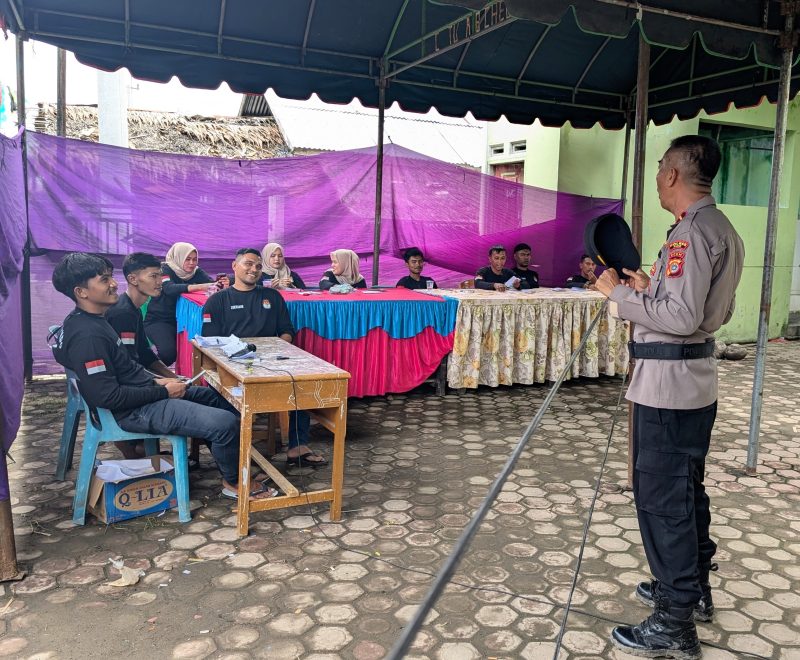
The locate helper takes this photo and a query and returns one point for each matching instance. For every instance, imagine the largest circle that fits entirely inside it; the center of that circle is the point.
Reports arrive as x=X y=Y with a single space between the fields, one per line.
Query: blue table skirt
x=400 y=319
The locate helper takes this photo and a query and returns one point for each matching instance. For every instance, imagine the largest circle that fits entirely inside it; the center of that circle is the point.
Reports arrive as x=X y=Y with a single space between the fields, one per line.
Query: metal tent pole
x=769 y=244
x=640 y=140
x=61 y=93
x=623 y=195
x=25 y=281
x=637 y=194
x=376 y=241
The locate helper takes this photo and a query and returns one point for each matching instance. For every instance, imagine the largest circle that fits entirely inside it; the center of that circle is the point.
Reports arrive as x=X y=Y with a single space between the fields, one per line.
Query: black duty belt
x=661 y=351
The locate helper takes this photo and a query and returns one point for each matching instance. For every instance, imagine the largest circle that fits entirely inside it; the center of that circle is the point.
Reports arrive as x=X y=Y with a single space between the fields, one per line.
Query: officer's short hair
x=495 y=249
x=521 y=246
x=412 y=252
x=76 y=269
x=137 y=261
x=585 y=256
x=700 y=157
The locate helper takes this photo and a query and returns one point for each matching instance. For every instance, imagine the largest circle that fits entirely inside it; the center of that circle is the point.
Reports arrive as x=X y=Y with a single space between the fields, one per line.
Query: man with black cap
x=689 y=294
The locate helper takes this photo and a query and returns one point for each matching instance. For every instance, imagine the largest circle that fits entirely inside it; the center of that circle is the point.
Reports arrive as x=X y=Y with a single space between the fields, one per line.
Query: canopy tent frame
x=369 y=67
x=390 y=67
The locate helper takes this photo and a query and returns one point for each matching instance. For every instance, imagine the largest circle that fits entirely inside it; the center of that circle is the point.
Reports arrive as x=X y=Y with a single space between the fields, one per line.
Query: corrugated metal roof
x=316 y=126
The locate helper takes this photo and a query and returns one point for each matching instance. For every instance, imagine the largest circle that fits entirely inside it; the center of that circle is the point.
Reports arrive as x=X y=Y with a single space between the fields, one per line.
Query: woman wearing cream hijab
x=276 y=273
x=344 y=270
x=180 y=274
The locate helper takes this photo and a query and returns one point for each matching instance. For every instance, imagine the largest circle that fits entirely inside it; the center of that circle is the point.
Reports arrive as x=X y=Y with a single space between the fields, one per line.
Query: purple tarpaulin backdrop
x=86 y=196
x=12 y=242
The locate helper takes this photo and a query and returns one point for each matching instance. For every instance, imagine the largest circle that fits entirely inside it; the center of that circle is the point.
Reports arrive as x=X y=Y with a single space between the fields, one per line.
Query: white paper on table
x=119 y=470
x=512 y=281
x=205 y=342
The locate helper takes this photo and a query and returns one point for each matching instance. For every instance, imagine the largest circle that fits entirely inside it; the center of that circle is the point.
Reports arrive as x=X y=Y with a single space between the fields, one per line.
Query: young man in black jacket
x=247 y=310
x=142 y=273
x=108 y=378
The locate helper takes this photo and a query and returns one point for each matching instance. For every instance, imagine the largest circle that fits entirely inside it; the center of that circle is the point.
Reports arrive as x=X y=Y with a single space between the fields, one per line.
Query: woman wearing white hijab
x=276 y=273
x=180 y=274
x=344 y=270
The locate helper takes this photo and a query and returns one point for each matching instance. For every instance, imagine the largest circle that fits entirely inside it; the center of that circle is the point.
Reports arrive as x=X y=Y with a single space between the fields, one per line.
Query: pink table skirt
x=378 y=364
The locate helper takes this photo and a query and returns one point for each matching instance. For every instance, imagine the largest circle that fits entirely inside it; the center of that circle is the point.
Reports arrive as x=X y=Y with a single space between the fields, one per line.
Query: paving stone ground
x=417 y=467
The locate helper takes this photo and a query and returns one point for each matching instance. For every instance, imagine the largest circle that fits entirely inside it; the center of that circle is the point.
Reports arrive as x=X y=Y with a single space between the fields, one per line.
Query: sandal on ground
x=302 y=460
x=259 y=492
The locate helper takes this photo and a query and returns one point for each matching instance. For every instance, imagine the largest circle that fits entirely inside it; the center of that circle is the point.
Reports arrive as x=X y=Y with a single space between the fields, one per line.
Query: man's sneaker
x=669 y=632
x=703 y=611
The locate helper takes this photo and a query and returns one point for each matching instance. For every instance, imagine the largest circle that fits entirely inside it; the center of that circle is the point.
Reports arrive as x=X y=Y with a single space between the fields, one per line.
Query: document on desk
x=512 y=281
x=205 y=342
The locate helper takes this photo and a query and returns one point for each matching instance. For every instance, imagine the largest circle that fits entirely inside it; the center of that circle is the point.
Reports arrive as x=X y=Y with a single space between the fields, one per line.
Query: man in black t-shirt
x=142 y=272
x=247 y=310
x=522 y=259
x=495 y=276
x=587 y=278
x=415 y=279
x=108 y=378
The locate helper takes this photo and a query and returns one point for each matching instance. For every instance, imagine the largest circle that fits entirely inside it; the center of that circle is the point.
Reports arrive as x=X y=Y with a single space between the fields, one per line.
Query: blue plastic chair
x=72 y=419
x=104 y=428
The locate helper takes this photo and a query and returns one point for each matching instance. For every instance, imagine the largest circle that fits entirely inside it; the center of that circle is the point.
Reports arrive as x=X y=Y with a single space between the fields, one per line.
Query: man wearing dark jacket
x=108 y=378
x=142 y=272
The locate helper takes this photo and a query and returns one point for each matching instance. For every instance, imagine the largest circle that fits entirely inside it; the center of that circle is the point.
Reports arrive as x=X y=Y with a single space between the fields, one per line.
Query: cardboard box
x=140 y=496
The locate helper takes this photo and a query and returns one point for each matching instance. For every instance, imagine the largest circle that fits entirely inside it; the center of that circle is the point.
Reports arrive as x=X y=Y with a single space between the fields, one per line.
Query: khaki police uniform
x=691 y=294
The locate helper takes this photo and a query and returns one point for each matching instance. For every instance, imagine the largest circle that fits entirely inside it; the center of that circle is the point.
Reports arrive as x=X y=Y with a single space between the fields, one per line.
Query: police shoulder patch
x=675 y=267
x=678 y=245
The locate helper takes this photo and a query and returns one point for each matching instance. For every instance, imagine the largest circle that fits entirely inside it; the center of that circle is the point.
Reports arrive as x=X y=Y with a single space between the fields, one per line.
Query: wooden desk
x=269 y=385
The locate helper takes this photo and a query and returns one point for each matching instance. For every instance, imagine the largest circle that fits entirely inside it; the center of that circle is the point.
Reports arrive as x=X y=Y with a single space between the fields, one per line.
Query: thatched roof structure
x=228 y=137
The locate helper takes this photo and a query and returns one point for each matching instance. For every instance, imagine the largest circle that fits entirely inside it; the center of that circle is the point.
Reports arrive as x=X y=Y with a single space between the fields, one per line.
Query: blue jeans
x=201 y=413
x=299 y=423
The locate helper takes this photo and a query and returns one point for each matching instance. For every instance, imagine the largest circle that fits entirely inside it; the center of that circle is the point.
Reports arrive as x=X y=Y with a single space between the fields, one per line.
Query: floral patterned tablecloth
x=506 y=338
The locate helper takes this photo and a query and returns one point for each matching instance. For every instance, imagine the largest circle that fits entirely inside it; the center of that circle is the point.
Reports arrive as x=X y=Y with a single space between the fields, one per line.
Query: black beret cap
x=609 y=242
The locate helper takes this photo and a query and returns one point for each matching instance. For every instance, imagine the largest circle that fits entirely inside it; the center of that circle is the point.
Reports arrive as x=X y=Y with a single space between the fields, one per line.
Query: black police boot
x=669 y=632
x=703 y=611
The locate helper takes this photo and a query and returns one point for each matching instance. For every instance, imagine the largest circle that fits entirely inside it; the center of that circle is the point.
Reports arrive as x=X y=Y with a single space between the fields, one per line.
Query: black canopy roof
x=555 y=60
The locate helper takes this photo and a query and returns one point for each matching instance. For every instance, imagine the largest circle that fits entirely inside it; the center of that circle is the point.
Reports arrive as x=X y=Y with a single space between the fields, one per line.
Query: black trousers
x=669 y=454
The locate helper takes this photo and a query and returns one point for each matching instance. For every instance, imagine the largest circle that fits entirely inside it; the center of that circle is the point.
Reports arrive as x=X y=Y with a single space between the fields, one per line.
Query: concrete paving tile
x=300 y=586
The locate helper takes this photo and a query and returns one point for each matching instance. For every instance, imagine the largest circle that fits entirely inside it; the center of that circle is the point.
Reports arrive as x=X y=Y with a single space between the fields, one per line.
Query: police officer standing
x=688 y=295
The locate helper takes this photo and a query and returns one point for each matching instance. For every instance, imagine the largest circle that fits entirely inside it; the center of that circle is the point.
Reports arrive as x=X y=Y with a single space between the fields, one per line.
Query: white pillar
x=112 y=107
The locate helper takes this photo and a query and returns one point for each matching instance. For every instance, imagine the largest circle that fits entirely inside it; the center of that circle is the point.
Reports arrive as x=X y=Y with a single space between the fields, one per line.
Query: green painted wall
x=589 y=162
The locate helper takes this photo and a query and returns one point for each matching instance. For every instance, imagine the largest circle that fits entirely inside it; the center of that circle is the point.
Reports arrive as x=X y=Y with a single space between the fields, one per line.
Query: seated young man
x=415 y=262
x=587 y=278
x=142 y=272
x=522 y=259
x=495 y=275
x=108 y=378
x=247 y=310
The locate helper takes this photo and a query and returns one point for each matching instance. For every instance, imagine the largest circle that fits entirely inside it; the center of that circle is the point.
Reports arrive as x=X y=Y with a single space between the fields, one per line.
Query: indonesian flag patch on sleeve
x=206 y=318
x=265 y=304
x=164 y=278
x=128 y=338
x=95 y=367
